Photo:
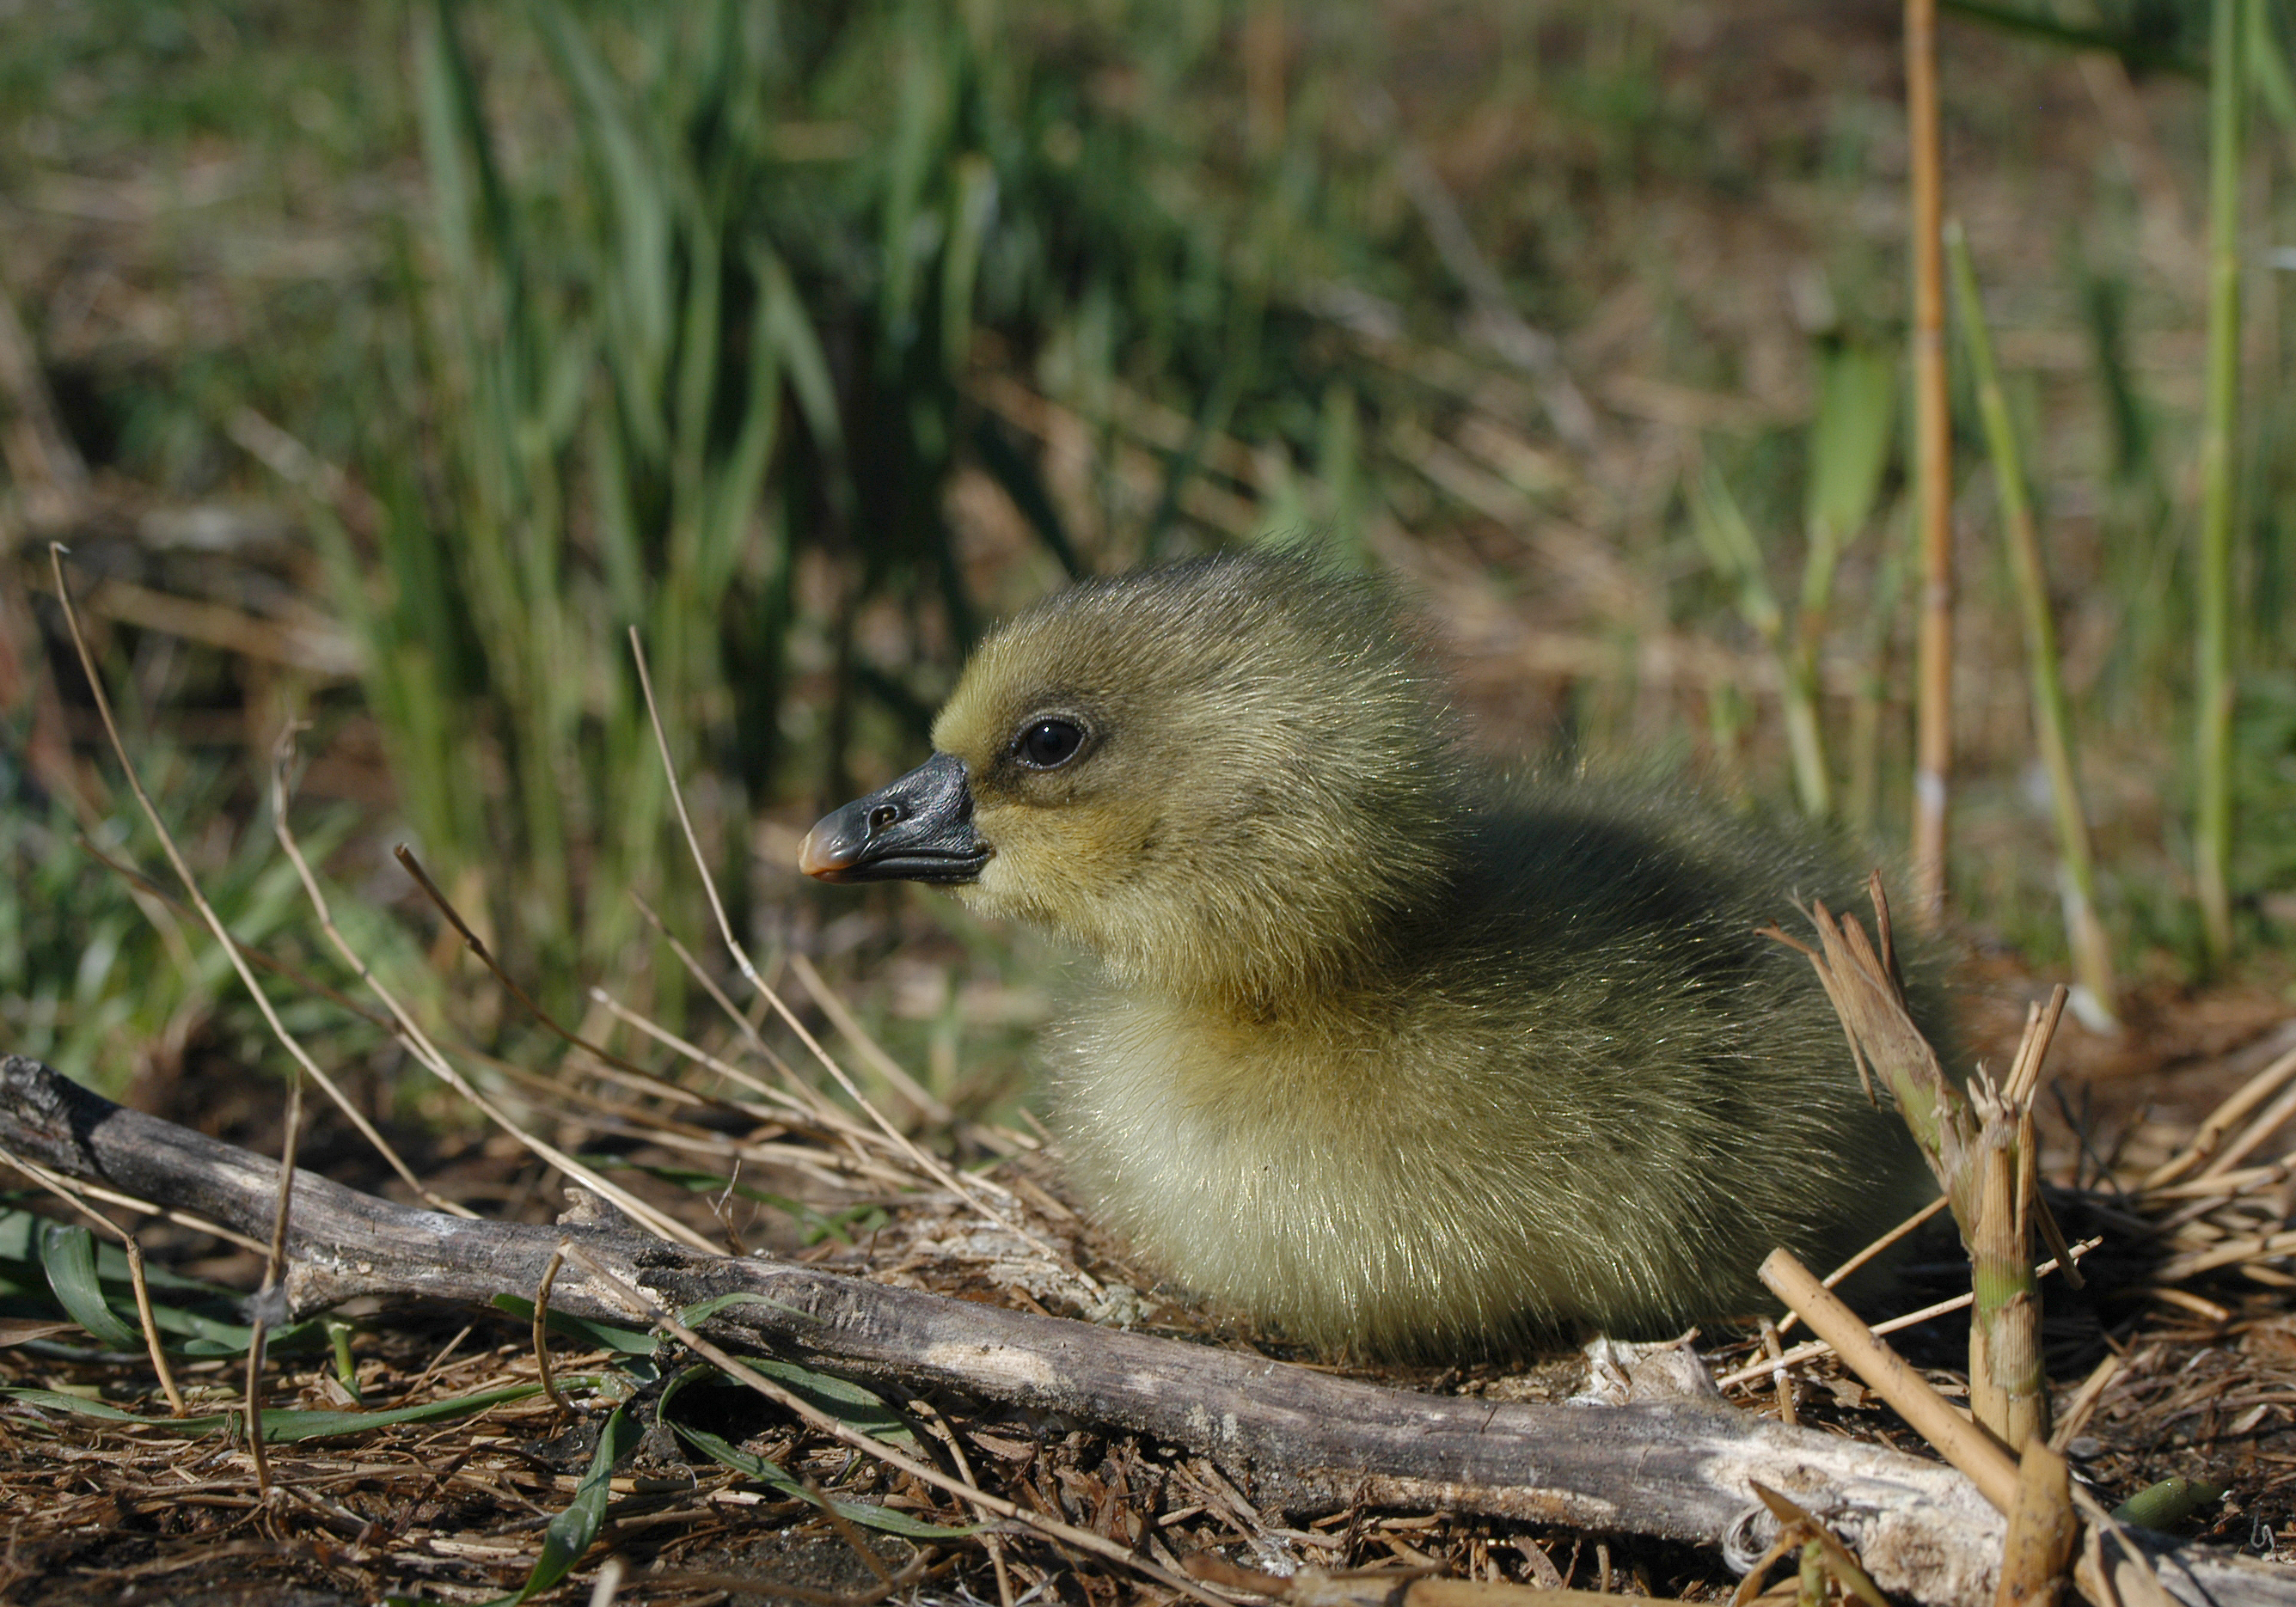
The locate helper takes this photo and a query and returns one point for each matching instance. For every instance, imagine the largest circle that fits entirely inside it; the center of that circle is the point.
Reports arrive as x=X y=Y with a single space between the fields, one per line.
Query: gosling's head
x=1227 y=777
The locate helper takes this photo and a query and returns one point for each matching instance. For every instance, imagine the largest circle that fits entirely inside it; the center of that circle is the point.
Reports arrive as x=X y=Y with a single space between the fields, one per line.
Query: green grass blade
x=971 y=206
x=281 y=1427
x=782 y=313
x=2052 y=714
x=606 y=1336
x=638 y=275
x=2219 y=427
x=571 y=1532
x=1723 y=531
x=848 y=1402
x=1021 y=481
x=339 y=1339
x=2268 y=68
x=768 y=1471
x=68 y=1256
x=1728 y=541
x=1850 y=442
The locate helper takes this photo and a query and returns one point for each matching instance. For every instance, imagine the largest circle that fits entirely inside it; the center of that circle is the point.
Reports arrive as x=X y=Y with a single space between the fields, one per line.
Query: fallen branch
x=1303 y=1441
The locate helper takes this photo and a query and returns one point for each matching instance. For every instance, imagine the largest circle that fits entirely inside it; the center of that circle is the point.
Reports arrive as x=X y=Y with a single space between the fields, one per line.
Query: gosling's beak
x=918 y=829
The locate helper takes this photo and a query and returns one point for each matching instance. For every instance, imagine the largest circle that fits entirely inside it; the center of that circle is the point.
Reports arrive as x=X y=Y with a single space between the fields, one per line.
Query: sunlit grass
x=808 y=340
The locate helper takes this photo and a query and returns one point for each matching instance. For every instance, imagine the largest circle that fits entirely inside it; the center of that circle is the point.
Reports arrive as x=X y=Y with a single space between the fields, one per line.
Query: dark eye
x=1048 y=744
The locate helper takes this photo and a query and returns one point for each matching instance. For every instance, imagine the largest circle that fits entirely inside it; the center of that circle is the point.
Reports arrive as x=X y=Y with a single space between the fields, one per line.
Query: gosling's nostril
x=883 y=816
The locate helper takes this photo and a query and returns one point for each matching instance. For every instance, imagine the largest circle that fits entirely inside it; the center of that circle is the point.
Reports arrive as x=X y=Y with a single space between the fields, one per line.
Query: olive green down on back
x=1389 y=1050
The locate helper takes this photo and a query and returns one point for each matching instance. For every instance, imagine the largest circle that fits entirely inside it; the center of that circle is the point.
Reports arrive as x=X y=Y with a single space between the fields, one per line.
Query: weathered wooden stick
x=1304 y=1441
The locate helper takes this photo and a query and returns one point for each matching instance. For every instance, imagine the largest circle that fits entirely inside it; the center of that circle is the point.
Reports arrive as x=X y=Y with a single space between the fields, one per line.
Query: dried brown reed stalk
x=1864 y=1257
x=1934 y=468
x=1822 y=1555
x=1809 y=1351
x=1966 y=1444
x=2209 y=1213
x=1982 y=1148
x=2043 y=1532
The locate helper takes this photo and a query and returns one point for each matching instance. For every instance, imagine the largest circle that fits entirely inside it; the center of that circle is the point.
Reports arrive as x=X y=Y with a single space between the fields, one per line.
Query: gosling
x=1396 y=1055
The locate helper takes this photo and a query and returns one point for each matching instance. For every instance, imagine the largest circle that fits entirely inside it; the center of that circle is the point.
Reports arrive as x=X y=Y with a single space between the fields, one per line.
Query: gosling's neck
x=1331 y=951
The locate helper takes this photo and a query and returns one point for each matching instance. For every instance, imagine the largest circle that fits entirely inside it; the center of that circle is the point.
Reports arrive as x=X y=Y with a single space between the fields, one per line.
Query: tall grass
x=1848 y=449
x=2213 y=692
x=2085 y=930
x=711 y=315
x=699 y=297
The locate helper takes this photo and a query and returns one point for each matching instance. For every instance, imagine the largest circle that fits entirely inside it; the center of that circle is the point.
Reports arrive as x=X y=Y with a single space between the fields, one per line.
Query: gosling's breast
x=1349 y=1187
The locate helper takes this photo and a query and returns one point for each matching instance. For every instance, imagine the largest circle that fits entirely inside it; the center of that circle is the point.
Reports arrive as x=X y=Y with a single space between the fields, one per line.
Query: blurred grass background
x=402 y=358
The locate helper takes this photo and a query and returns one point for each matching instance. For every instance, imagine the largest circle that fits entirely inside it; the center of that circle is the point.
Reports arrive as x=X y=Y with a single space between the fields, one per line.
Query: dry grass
x=2187 y=1295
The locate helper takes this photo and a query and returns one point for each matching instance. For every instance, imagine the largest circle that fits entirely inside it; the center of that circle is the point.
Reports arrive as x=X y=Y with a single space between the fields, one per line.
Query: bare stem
x=1933 y=441
x=2051 y=719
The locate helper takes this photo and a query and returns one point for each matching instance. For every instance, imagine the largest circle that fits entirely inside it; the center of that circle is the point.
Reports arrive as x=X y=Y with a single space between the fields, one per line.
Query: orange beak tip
x=813 y=859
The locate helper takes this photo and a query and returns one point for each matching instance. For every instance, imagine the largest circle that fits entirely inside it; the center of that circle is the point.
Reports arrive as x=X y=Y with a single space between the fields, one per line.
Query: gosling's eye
x=1048 y=744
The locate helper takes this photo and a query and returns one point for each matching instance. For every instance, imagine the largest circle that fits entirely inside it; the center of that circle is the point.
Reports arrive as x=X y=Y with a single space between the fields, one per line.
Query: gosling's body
x=1388 y=1052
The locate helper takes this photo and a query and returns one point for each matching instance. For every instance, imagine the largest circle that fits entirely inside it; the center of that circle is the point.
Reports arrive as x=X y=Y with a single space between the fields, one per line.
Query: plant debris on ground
x=470 y=1482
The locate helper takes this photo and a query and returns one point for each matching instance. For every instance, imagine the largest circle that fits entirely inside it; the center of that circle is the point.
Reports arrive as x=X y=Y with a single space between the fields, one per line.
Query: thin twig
x=1781 y=1379
x=418 y=1044
x=800 y=1097
x=870 y=1051
x=542 y=1329
x=1809 y=1348
x=1834 y=1279
x=258 y=1336
x=940 y=1174
x=70 y=1194
x=275 y=1261
x=816 y=1111
x=798 y=1086
x=142 y=1285
x=126 y=1201
x=477 y=945
x=990 y=1540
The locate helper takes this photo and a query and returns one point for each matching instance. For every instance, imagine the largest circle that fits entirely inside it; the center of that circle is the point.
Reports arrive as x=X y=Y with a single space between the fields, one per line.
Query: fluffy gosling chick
x=1391 y=1052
